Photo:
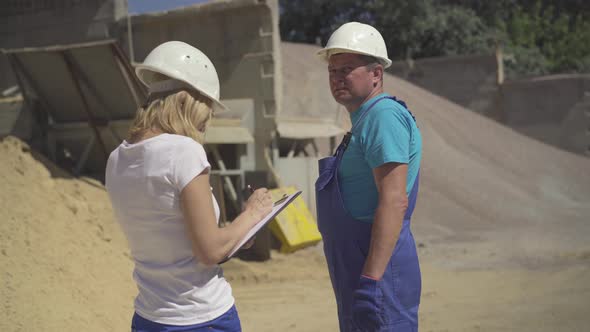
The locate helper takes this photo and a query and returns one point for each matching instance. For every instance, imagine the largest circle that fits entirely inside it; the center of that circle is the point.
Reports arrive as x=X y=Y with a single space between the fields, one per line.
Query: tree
x=411 y=28
x=449 y=30
x=311 y=21
x=543 y=40
x=540 y=36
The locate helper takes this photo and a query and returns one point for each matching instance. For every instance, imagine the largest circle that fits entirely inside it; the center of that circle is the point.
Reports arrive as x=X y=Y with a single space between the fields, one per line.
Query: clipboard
x=278 y=206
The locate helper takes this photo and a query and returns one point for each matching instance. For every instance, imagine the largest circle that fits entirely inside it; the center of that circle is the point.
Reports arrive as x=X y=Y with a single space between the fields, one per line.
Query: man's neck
x=353 y=107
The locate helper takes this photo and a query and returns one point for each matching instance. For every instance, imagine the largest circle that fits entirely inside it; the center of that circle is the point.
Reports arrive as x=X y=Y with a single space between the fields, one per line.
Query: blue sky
x=145 y=6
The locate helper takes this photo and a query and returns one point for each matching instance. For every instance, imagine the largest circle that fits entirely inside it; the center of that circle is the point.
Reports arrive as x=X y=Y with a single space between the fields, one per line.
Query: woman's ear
x=203 y=127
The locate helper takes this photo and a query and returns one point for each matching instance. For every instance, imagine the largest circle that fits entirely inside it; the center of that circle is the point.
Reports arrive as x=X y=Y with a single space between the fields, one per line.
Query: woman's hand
x=259 y=204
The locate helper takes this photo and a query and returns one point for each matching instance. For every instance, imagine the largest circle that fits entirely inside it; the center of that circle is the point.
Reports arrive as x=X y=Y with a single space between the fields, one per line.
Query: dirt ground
x=503 y=299
x=502 y=225
x=65 y=267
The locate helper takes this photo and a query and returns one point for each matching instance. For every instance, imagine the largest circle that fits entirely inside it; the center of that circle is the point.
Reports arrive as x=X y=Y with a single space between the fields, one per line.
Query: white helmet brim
x=170 y=85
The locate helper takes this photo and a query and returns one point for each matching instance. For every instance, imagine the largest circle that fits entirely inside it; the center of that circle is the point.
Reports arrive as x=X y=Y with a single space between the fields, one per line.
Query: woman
x=158 y=183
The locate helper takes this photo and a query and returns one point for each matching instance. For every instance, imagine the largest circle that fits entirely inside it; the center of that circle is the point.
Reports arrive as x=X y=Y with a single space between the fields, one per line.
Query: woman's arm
x=211 y=244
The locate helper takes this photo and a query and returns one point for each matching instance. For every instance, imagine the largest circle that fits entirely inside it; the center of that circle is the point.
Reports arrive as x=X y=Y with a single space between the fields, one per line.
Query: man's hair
x=184 y=112
x=371 y=63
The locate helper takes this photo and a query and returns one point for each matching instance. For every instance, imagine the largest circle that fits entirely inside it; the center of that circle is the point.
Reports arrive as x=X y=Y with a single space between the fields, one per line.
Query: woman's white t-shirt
x=144 y=181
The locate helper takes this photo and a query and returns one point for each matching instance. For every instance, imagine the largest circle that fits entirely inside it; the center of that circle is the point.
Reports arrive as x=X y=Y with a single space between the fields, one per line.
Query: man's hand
x=365 y=306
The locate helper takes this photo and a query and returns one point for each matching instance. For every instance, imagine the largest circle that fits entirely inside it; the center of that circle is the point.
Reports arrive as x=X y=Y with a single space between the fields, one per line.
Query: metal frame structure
x=104 y=117
x=82 y=113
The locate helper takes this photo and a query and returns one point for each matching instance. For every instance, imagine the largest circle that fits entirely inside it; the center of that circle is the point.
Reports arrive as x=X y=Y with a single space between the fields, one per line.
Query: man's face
x=351 y=81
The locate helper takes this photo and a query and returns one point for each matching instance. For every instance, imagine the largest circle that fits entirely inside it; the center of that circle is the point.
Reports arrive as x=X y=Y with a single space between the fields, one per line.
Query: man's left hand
x=365 y=306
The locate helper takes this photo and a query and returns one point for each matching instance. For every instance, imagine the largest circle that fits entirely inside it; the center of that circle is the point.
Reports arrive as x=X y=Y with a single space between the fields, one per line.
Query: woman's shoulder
x=179 y=142
x=179 y=139
x=171 y=146
x=181 y=146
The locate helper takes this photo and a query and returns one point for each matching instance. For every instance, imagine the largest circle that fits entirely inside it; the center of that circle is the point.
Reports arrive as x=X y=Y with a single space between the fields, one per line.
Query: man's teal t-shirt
x=388 y=133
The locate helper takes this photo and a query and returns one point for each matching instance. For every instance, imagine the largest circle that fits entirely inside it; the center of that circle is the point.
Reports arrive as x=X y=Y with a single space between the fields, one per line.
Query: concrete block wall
x=550 y=108
x=470 y=81
x=575 y=129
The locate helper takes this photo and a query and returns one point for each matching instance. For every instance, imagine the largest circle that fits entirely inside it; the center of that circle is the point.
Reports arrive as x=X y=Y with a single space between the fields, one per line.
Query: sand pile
x=485 y=183
x=63 y=261
x=484 y=186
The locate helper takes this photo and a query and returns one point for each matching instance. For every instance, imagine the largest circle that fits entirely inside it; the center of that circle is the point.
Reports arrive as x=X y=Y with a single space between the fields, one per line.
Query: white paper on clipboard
x=277 y=208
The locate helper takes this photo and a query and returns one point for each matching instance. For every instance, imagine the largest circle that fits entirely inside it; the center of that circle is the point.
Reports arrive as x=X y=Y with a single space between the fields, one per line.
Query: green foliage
x=544 y=40
x=452 y=30
x=313 y=21
x=538 y=36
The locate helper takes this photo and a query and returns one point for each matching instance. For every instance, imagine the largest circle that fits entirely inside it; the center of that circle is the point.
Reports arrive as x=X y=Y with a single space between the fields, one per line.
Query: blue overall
x=346 y=245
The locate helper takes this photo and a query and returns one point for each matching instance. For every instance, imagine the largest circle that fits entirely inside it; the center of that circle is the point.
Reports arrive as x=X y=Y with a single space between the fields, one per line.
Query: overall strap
x=346 y=139
x=412 y=197
x=403 y=103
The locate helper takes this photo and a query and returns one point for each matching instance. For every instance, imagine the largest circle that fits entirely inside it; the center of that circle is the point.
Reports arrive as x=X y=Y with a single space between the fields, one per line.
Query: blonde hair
x=185 y=112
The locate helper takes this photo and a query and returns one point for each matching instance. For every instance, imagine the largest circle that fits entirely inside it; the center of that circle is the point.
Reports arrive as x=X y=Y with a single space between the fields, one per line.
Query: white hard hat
x=359 y=38
x=185 y=66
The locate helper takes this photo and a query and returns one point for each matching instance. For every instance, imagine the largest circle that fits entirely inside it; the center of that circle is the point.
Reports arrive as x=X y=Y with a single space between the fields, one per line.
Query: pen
x=250 y=189
x=281 y=200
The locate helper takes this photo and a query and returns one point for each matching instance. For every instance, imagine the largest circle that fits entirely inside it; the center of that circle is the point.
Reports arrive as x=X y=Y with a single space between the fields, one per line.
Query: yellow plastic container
x=295 y=227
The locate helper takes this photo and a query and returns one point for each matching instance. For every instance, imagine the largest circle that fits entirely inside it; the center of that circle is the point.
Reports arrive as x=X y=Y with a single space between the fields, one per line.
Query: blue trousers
x=228 y=322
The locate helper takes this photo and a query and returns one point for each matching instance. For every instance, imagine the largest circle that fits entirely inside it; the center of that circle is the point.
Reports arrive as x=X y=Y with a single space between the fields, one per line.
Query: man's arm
x=390 y=179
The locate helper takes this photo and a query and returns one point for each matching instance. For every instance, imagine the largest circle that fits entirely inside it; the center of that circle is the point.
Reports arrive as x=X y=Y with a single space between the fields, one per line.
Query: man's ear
x=377 y=75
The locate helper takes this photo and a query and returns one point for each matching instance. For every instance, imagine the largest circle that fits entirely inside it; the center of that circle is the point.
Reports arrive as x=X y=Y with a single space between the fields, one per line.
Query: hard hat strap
x=165 y=88
x=167 y=85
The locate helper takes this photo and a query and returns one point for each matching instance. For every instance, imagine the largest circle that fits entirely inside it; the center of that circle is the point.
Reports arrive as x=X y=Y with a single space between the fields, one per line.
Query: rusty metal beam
x=132 y=83
x=58 y=48
x=74 y=75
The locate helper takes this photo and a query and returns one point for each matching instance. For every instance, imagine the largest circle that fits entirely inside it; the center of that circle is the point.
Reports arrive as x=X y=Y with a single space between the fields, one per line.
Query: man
x=367 y=191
